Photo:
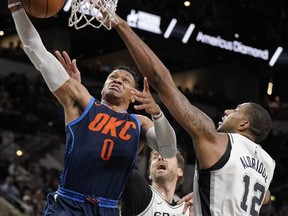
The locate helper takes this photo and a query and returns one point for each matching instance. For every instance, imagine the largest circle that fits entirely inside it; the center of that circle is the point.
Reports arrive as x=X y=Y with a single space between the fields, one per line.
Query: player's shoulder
x=144 y=119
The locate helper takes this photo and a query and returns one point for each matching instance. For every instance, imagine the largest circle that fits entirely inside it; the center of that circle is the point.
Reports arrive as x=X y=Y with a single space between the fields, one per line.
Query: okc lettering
x=107 y=125
x=254 y=164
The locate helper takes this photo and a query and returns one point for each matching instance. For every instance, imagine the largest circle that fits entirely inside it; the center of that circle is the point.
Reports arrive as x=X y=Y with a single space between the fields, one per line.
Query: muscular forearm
x=148 y=63
x=190 y=117
x=151 y=67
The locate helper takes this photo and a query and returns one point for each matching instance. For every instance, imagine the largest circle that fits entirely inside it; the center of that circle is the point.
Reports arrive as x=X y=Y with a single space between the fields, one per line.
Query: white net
x=95 y=13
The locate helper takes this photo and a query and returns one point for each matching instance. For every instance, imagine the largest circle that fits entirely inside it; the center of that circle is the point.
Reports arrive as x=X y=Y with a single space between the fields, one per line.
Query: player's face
x=118 y=85
x=163 y=170
x=232 y=118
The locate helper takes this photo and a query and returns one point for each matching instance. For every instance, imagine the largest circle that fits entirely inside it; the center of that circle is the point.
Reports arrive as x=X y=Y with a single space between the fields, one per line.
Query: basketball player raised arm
x=223 y=154
x=67 y=90
x=101 y=136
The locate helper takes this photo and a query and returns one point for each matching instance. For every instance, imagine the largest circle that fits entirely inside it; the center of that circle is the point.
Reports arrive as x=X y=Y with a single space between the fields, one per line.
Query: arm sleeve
x=51 y=69
x=136 y=196
x=162 y=137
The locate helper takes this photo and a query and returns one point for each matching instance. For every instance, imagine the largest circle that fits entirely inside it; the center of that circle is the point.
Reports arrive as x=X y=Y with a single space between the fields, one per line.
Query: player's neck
x=116 y=108
x=167 y=190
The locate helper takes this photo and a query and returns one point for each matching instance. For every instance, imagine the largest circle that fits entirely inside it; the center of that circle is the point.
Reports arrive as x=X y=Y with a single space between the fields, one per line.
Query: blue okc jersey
x=101 y=146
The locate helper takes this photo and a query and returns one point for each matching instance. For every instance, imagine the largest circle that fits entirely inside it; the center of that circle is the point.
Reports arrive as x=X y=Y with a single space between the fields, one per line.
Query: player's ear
x=180 y=172
x=243 y=125
x=132 y=99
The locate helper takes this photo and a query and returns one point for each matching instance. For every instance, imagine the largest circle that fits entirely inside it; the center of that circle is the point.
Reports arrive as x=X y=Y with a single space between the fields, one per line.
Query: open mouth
x=161 y=166
x=223 y=119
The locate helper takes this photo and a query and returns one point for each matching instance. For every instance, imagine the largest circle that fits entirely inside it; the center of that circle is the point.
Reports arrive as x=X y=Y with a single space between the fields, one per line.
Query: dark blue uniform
x=101 y=147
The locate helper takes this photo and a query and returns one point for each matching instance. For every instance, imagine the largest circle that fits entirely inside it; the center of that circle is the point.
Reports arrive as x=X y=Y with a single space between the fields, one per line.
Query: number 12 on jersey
x=258 y=189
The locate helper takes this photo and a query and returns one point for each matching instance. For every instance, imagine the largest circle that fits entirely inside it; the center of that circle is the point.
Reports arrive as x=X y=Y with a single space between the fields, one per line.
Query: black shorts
x=61 y=206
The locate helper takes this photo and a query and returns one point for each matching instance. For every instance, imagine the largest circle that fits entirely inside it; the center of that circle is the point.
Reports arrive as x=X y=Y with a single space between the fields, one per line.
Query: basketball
x=42 y=8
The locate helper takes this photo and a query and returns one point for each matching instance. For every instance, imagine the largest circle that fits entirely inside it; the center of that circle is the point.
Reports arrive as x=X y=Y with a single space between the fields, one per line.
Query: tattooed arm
x=208 y=144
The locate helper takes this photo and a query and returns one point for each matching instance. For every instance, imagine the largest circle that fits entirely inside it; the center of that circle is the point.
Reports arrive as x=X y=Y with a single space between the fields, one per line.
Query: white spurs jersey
x=159 y=207
x=237 y=188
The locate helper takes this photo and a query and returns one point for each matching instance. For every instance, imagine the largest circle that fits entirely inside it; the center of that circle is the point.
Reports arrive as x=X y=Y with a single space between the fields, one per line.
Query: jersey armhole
x=223 y=160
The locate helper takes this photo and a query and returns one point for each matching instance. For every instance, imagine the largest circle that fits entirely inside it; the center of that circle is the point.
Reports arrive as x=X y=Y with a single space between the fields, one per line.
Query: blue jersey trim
x=107 y=203
x=92 y=99
x=78 y=197
x=69 y=194
x=138 y=122
x=47 y=207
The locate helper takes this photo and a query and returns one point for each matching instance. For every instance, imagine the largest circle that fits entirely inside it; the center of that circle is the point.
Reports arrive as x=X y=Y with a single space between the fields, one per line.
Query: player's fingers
x=137 y=93
x=59 y=56
x=188 y=197
x=185 y=209
x=191 y=210
x=181 y=200
x=139 y=107
x=141 y=99
x=146 y=85
x=74 y=66
x=188 y=205
x=67 y=57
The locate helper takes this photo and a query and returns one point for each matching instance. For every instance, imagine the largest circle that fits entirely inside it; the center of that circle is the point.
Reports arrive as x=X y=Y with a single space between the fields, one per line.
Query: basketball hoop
x=95 y=13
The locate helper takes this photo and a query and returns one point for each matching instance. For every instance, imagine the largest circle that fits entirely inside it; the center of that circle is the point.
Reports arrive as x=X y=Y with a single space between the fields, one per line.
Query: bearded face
x=163 y=170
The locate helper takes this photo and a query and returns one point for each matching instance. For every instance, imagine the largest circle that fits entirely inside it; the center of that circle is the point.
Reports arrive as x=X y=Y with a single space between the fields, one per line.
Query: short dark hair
x=180 y=162
x=131 y=71
x=260 y=121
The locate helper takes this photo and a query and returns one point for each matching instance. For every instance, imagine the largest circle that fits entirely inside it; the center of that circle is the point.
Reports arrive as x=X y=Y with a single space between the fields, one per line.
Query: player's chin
x=161 y=172
x=114 y=90
x=116 y=94
x=159 y=177
x=219 y=127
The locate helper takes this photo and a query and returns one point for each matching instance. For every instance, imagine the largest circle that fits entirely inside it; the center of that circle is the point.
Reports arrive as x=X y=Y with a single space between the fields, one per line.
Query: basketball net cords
x=88 y=12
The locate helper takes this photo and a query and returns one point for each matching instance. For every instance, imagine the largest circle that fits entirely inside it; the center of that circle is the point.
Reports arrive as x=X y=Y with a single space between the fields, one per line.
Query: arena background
x=220 y=53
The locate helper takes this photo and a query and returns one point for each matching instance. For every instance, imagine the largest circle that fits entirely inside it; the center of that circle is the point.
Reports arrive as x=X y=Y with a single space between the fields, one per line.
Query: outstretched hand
x=70 y=66
x=107 y=15
x=188 y=199
x=146 y=99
